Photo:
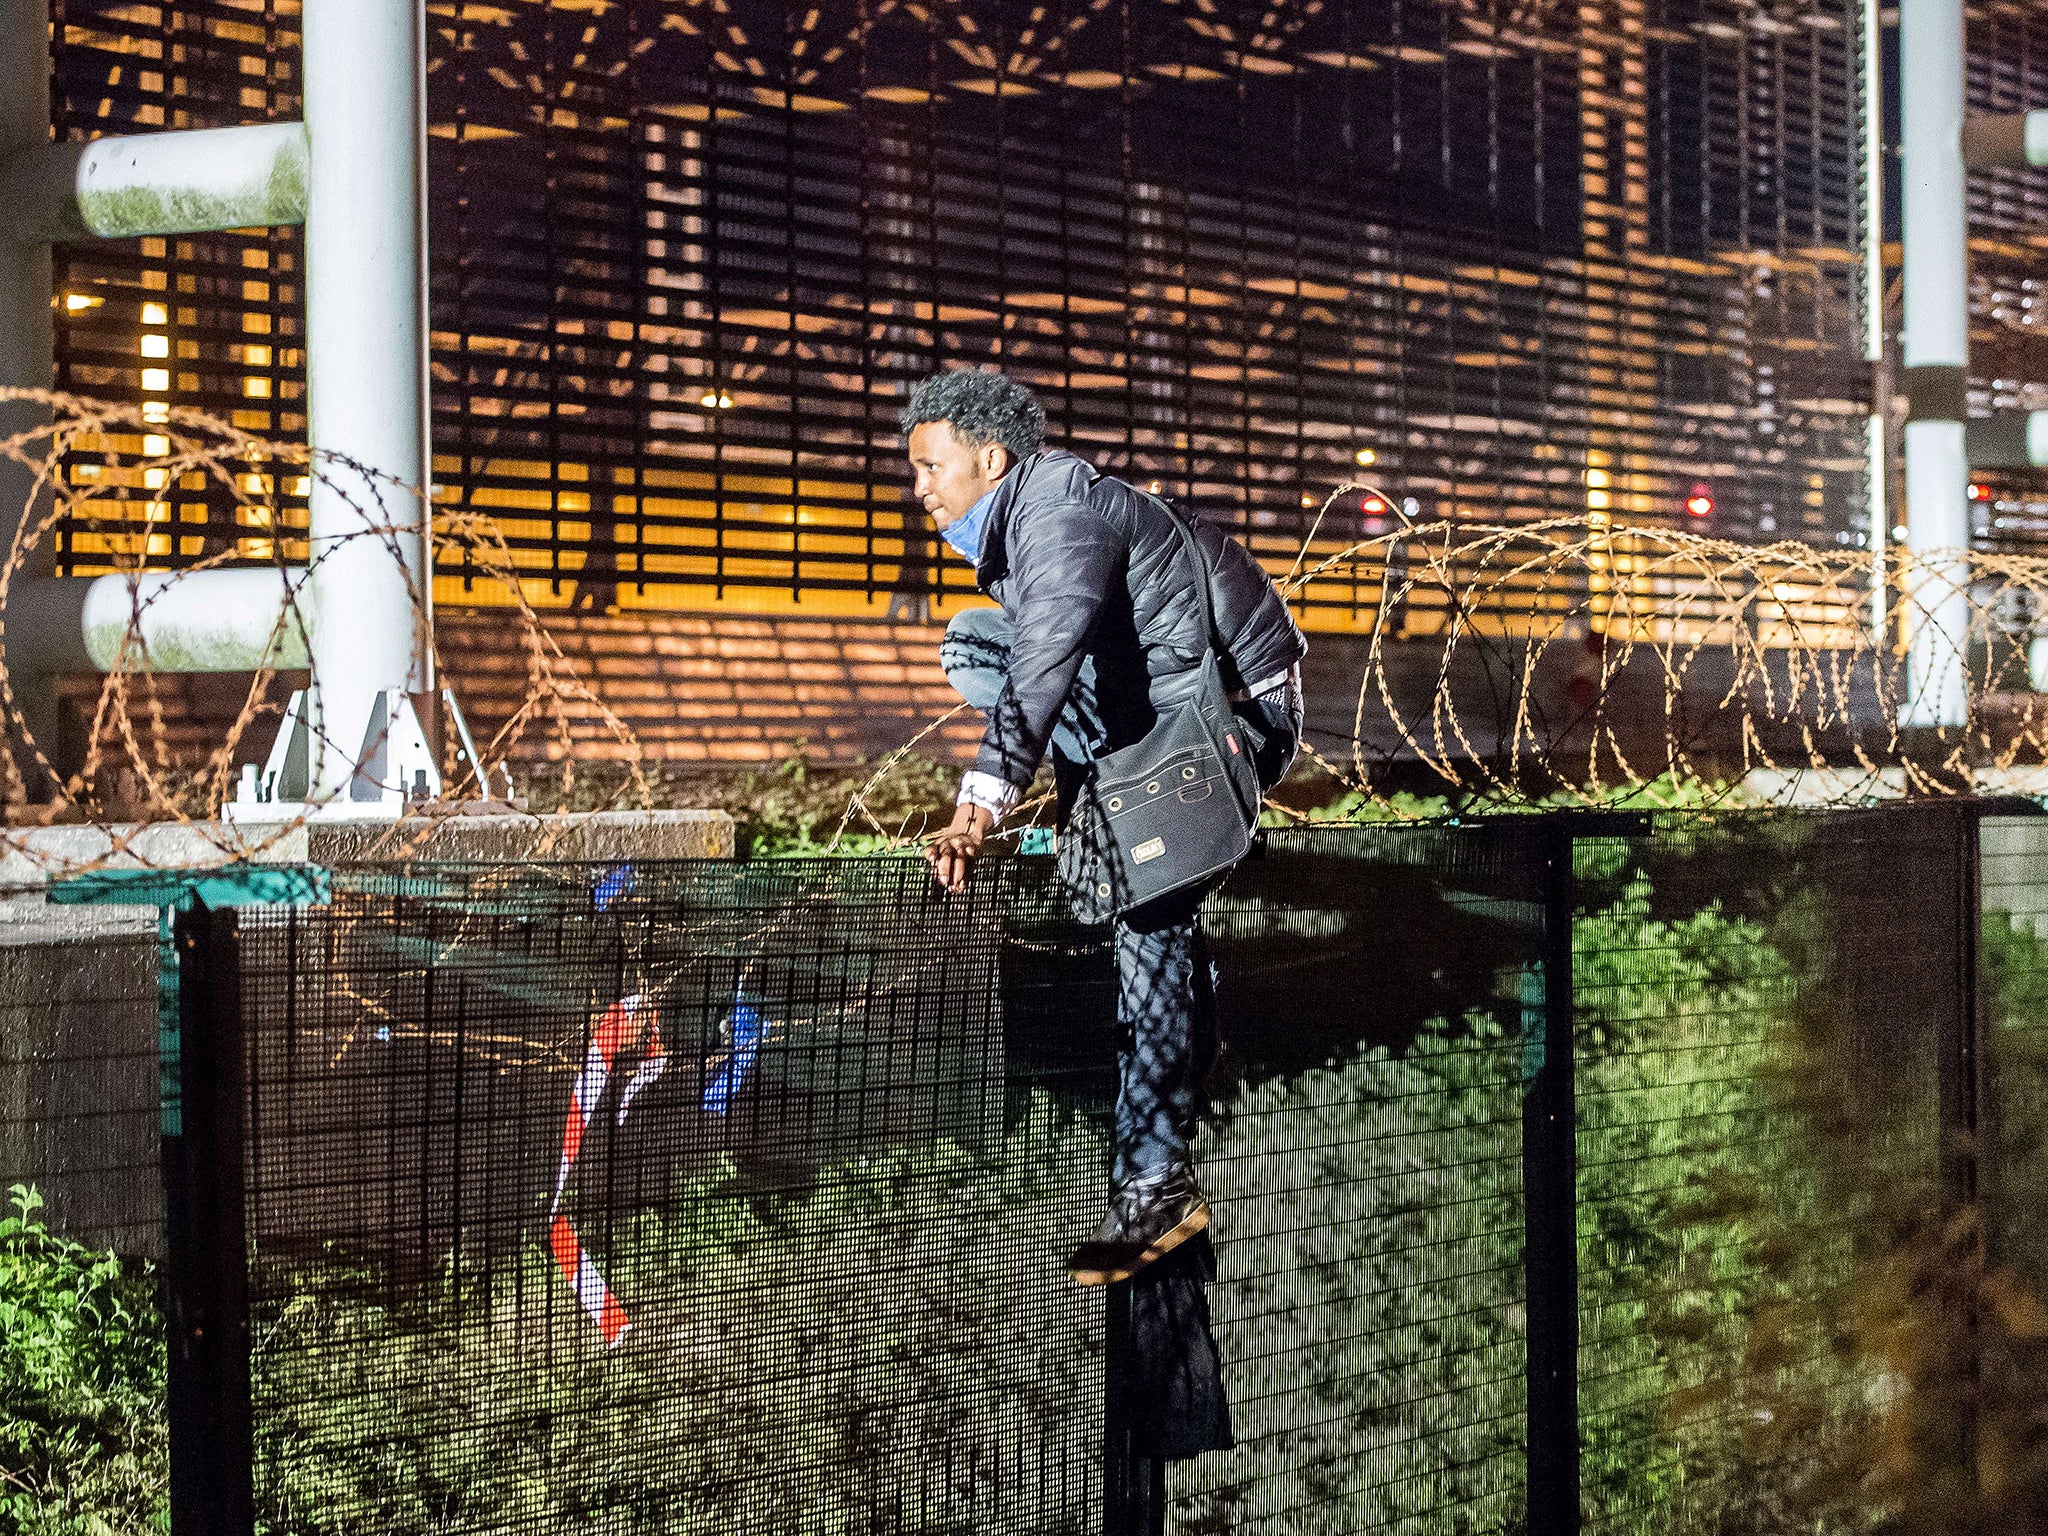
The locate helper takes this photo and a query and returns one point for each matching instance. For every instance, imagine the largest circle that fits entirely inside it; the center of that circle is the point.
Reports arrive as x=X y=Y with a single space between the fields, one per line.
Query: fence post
x=205 y=1273
x=1961 y=1077
x=1984 y=1008
x=1133 y=1486
x=1961 y=1100
x=1550 y=1212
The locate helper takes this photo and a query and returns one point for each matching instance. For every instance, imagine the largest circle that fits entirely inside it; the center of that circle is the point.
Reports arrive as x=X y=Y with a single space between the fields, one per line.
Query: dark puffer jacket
x=1084 y=565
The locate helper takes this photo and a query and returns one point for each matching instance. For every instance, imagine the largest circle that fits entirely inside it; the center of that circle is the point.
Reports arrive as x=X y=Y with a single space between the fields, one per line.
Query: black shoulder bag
x=1168 y=813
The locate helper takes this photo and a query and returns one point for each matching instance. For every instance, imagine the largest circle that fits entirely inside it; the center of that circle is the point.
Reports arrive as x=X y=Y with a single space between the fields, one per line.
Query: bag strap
x=1193 y=547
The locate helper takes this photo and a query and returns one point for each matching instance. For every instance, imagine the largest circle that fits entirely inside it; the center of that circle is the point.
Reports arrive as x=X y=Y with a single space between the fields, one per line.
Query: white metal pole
x=28 y=347
x=1878 y=468
x=1936 y=348
x=365 y=364
x=27 y=333
x=425 y=683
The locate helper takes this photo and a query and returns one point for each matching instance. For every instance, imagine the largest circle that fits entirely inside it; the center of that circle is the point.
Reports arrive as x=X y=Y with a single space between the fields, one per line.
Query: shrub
x=817 y=1359
x=791 y=808
x=82 y=1434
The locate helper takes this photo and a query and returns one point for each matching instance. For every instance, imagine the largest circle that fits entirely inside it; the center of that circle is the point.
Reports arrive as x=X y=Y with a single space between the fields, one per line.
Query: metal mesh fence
x=736 y=1196
x=802 y=1267
x=1744 y=994
x=707 y=1204
x=2013 y=997
x=1365 y=1165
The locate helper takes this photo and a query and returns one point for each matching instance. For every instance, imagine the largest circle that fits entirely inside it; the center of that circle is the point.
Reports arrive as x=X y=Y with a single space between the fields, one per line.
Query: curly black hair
x=982 y=408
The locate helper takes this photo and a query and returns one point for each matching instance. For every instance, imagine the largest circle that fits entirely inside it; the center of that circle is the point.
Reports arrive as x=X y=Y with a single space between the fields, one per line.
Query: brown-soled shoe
x=1148 y=1217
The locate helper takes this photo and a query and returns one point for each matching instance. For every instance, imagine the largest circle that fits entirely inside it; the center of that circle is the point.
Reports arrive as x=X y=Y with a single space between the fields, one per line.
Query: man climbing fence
x=1156 y=661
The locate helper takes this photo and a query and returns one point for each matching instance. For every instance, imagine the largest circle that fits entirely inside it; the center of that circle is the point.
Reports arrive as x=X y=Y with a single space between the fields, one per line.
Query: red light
x=1979 y=492
x=1374 y=506
x=1701 y=502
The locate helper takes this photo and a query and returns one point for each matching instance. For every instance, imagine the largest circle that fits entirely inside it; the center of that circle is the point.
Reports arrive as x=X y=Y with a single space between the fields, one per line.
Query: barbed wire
x=1585 y=661
x=120 y=477
x=1575 y=659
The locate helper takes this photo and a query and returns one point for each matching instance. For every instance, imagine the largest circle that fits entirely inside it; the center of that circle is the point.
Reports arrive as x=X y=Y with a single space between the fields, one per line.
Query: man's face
x=951 y=476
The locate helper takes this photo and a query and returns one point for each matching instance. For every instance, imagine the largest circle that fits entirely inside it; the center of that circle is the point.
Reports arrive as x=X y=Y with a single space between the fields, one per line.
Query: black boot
x=1149 y=1216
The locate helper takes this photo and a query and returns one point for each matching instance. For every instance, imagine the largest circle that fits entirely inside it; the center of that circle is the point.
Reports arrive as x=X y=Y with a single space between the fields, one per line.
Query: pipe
x=2009 y=440
x=2009 y=141
x=1877 y=462
x=180 y=621
x=366 y=364
x=1937 y=356
x=200 y=621
x=159 y=184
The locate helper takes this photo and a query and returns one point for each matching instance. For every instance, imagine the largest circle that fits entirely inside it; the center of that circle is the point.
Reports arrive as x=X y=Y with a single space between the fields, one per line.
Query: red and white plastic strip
x=631 y=1021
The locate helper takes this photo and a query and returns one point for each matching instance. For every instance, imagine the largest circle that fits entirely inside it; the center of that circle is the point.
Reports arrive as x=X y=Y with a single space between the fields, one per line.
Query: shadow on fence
x=1568 y=1173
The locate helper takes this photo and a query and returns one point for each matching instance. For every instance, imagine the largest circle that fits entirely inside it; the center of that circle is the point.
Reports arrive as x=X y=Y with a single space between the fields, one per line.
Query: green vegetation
x=1385 y=1292
x=798 y=808
x=1315 y=799
x=1708 y=1396
x=768 y=1383
x=82 y=1444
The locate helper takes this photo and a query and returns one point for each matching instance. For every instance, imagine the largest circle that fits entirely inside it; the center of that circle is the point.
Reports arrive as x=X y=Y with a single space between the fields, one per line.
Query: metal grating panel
x=1365 y=1164
x=226 y=307
x=1759 y=1095
x=2008 y=209
x=843 y=1278
x=1498 y=245
x=823 y=1246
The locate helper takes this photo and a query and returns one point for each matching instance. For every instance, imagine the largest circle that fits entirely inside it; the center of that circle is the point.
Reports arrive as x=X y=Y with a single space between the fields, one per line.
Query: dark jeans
x=1166 y=986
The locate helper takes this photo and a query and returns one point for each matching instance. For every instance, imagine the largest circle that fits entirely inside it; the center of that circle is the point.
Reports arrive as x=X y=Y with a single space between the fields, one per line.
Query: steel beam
x=1937 y=355
x=158 y=184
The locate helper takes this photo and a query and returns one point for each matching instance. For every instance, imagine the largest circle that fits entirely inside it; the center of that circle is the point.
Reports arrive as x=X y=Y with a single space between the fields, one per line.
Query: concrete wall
x=78 y=1073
